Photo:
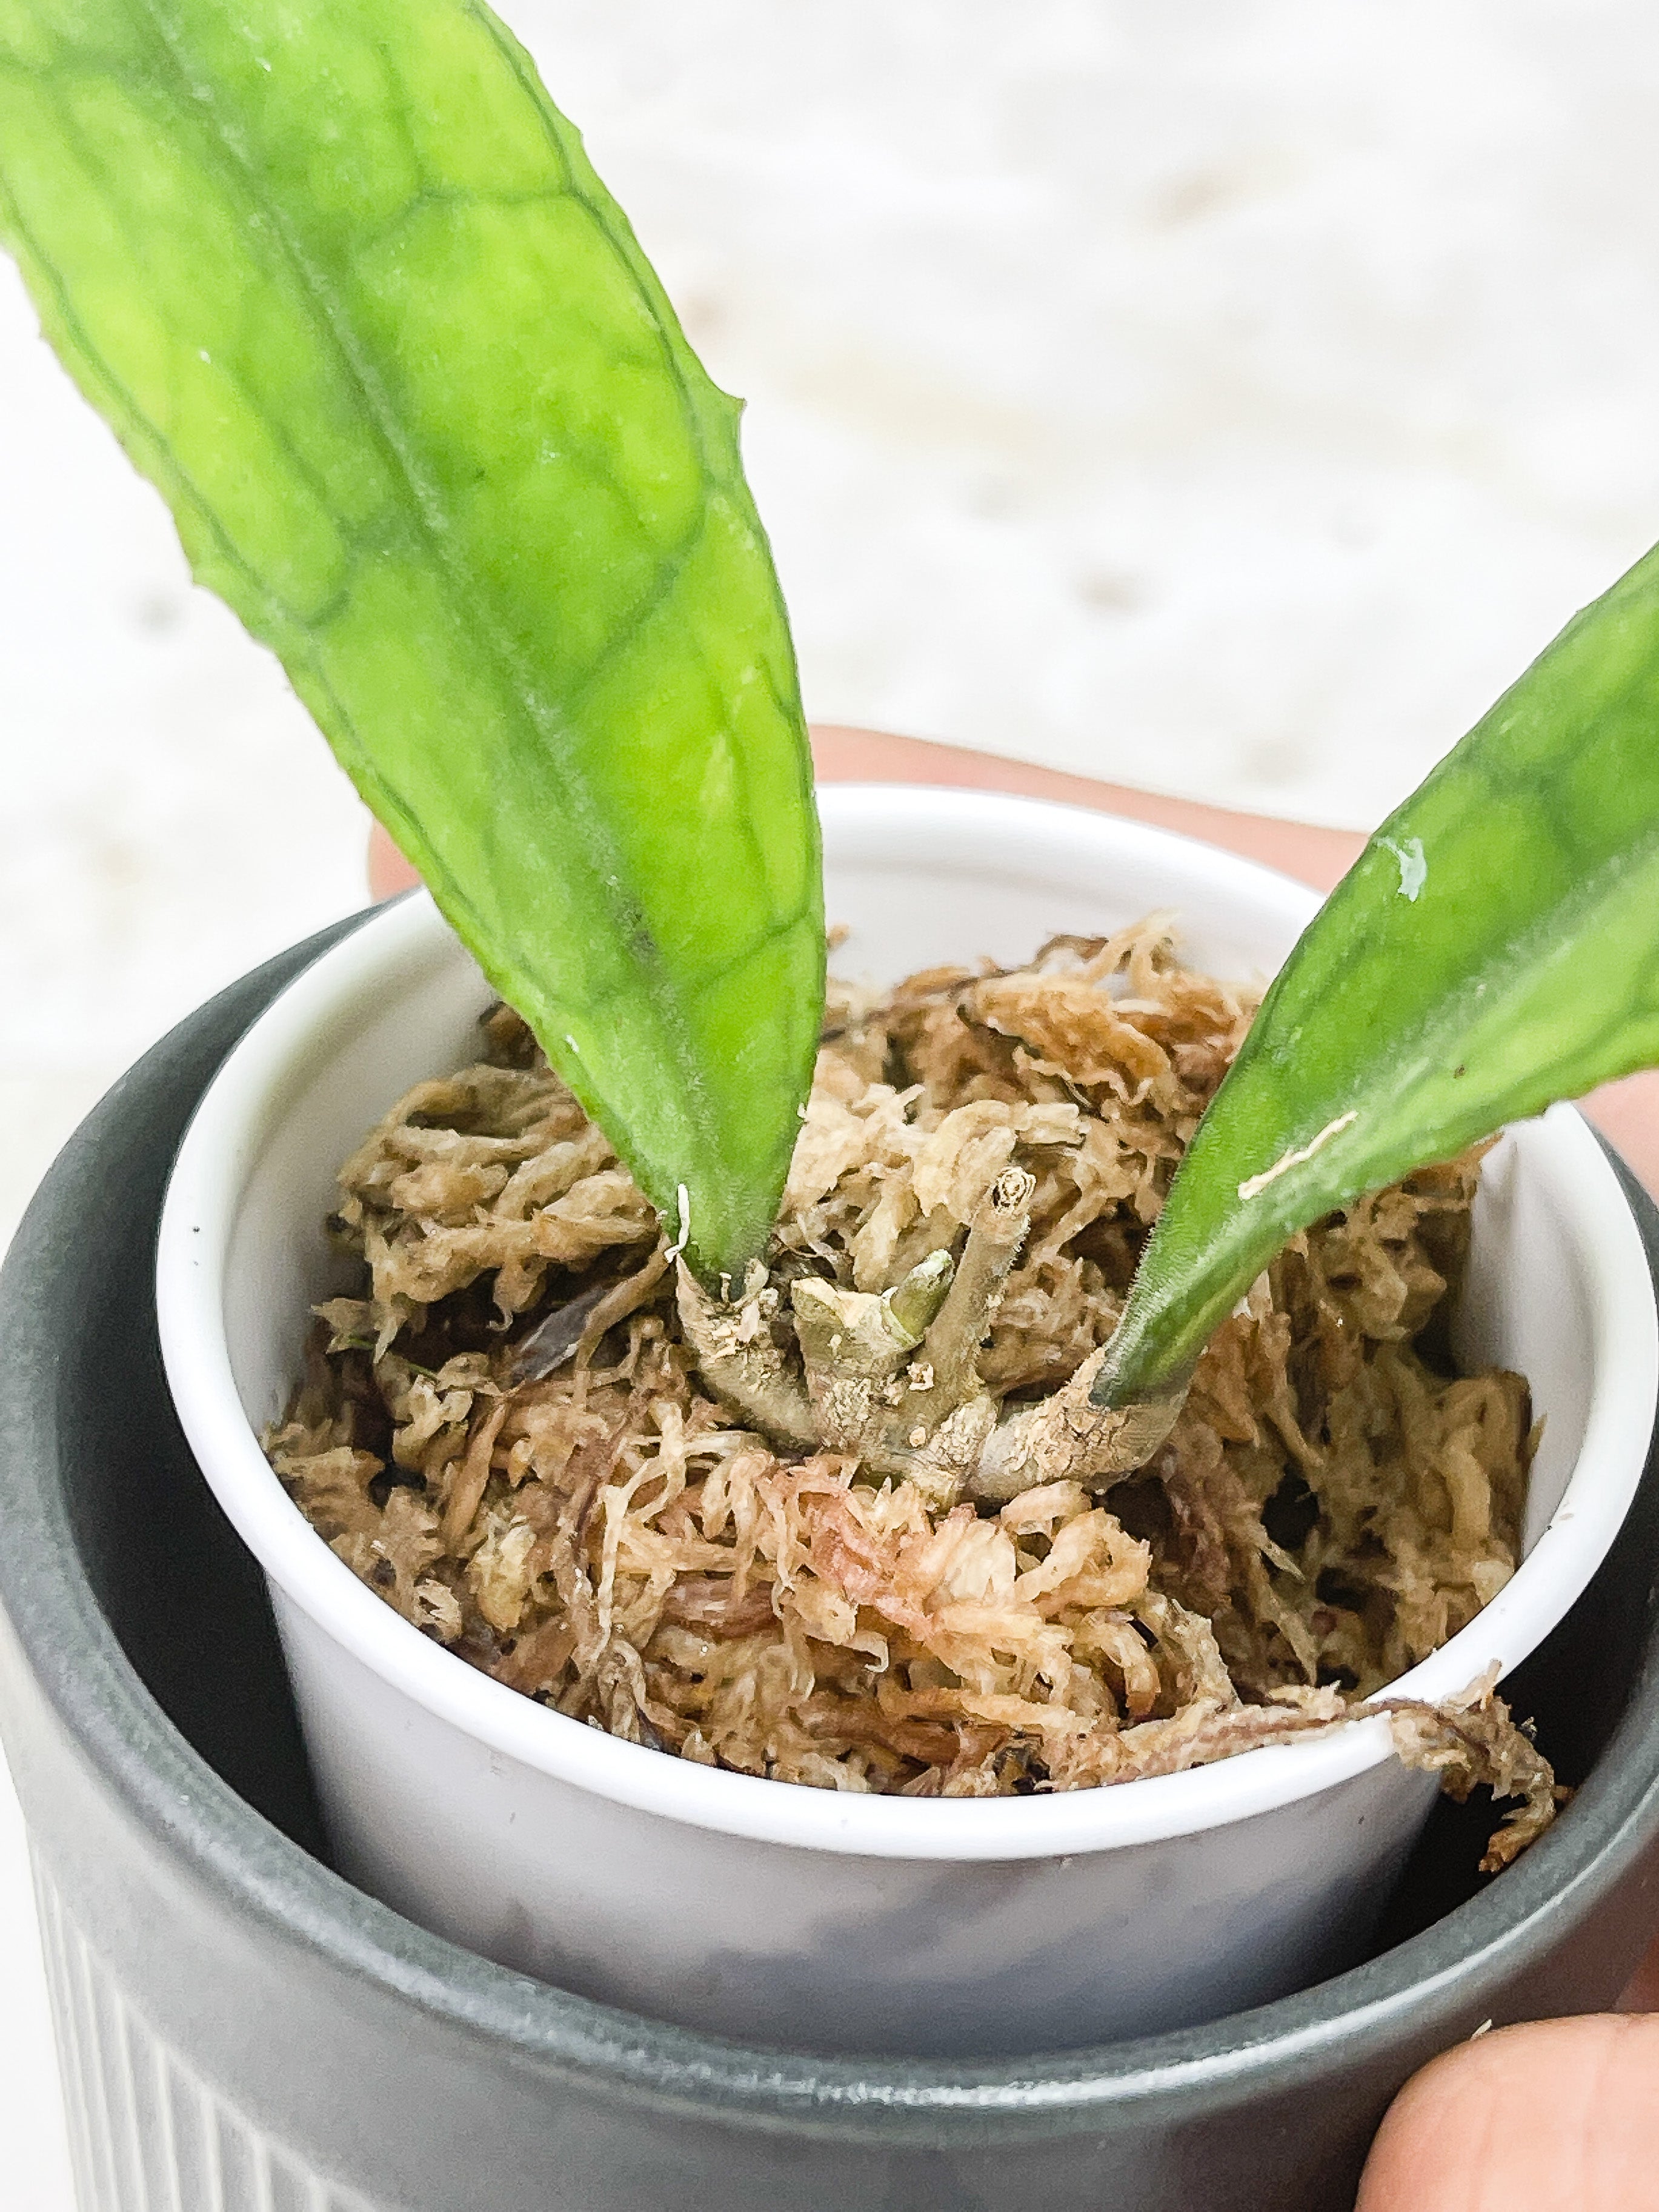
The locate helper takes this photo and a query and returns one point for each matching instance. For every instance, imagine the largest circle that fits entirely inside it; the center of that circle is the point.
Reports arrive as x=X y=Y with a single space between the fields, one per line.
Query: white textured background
x=1224 y=395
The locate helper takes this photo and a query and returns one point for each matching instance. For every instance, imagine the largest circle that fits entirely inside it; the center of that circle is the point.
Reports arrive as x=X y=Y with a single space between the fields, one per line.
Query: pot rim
x=245 y=1099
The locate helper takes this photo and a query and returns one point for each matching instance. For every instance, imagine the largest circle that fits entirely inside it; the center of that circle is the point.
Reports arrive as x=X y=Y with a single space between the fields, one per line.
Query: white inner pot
x=776 y=1913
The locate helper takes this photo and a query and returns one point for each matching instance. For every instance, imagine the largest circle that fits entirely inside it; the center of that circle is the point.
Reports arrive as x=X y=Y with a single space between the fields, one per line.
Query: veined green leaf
x=343 y=283
x=1496 y=947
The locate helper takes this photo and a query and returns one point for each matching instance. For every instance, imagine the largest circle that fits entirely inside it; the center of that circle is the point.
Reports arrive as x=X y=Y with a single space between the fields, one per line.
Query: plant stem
x=951 y=1346
x=1068 y=1437
x=938 y=1431
x=738 y=1359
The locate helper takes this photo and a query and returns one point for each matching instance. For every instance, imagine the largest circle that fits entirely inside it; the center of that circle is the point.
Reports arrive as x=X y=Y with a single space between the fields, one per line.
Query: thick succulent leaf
x=346 y=287
x=1495 y=948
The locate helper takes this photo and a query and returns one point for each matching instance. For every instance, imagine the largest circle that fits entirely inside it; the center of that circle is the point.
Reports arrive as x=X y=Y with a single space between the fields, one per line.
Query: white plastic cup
x=778 y=1914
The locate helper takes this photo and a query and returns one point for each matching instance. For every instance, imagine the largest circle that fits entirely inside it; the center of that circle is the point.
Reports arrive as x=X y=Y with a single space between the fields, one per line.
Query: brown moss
x=1331 y=1506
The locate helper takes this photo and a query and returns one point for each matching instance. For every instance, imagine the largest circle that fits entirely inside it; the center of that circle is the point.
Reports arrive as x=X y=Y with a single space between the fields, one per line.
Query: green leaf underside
x=1525 y=969
x=342 y=281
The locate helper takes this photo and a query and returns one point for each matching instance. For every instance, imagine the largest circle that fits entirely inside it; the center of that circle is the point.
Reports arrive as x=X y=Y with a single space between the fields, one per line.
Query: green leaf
x=343 y=283
x=1496 y=947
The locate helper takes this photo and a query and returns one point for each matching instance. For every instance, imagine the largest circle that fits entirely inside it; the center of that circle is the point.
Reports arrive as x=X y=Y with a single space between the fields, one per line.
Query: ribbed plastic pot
x=240 y=2028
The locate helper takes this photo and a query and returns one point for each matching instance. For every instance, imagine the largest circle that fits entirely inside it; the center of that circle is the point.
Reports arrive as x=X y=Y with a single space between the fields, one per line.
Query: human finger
x=1558 y=2116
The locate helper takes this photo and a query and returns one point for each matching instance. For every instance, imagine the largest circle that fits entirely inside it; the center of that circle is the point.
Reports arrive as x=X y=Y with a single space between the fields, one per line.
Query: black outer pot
x=240 y=2028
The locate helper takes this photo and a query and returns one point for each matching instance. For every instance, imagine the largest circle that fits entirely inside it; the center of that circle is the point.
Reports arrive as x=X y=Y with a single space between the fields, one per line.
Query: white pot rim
x=212 y=1165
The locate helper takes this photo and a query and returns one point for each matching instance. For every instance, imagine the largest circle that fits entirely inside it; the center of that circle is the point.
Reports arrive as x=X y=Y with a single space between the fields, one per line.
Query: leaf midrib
x=424 y=504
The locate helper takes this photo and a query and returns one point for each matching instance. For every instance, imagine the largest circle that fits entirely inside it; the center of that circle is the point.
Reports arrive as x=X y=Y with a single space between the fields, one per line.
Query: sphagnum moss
x=717 y=1529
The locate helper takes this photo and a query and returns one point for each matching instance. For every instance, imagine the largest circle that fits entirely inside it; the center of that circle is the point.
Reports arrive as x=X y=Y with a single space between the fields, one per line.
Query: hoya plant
x=342 y=281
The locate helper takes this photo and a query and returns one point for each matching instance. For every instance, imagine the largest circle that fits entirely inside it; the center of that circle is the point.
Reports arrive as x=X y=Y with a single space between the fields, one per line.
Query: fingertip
x=1557 y=2112
x=388 y=870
